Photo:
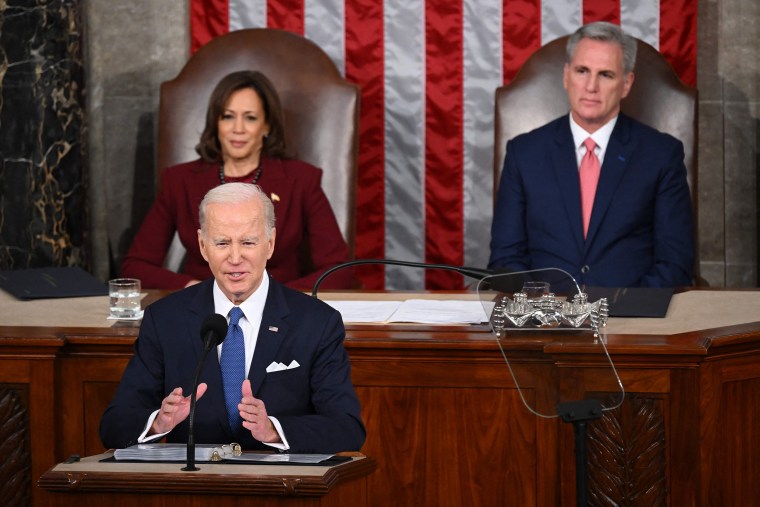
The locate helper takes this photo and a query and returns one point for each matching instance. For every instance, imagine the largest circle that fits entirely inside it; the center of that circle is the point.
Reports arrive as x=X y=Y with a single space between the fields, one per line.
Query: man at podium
x=281 y=377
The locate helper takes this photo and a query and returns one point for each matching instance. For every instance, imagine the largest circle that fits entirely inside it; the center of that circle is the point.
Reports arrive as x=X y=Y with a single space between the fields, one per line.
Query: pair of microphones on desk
x=214 y=328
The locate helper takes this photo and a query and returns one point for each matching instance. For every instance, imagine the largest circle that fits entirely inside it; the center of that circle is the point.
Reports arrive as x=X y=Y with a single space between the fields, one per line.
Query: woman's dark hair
x=274 y=144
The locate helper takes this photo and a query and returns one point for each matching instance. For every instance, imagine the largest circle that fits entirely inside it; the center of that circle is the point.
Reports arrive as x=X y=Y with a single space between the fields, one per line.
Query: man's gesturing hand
x=174 y=409
x=255 y=418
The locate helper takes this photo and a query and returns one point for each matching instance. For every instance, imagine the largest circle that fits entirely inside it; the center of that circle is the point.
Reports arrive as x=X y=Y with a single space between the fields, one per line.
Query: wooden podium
x=90 y=482
x=445 y=422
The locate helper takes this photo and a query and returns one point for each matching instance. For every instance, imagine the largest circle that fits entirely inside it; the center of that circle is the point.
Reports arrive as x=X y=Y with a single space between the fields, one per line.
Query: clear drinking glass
x=124 y=300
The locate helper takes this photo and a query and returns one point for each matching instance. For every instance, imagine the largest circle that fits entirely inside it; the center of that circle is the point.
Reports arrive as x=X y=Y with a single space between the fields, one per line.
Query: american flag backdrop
x=428 y=70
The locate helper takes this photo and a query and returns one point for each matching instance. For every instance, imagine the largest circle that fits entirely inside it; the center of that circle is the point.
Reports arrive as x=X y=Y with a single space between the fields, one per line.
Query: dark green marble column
x=43 y=172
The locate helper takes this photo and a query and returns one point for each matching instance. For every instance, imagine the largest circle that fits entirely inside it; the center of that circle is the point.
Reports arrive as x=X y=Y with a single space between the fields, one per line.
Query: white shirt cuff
x=152 y=438
x=282 y=446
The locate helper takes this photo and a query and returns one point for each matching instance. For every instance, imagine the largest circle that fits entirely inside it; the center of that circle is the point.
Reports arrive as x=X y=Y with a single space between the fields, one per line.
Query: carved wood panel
x=627 y=455
x=16 y=465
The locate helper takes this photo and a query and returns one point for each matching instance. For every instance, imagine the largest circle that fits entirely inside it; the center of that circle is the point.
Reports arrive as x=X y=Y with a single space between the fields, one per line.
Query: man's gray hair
x=605 y=32
x=238 y=193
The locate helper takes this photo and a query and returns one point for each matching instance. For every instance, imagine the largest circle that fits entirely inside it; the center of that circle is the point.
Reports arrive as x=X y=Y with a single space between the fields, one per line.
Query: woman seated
x=244 y=141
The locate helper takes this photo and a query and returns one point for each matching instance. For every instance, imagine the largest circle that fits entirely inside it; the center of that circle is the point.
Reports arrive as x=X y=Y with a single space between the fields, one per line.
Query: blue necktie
x=233 y=367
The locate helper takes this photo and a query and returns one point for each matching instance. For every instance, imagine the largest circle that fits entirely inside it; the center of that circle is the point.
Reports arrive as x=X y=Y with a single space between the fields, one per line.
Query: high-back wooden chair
x=658 y=98
x=321 y=108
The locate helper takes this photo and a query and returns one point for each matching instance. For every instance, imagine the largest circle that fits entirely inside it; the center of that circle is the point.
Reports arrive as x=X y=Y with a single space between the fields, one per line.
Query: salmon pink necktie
x=589 y=174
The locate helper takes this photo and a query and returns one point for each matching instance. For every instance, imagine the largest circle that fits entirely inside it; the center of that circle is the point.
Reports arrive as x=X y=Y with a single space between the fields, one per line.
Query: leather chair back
x=658 y=98
x=321 y=108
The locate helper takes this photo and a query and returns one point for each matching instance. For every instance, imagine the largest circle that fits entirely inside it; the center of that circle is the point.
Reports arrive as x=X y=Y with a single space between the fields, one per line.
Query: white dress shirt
x=601 y=137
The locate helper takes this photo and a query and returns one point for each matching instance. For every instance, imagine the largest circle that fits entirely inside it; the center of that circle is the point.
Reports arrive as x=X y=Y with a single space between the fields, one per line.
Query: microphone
x=213 y=332
x=470 y=272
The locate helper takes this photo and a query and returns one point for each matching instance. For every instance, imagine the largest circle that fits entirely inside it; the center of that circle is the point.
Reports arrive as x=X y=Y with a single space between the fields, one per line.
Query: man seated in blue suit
x=288 y=384
x=627 y=223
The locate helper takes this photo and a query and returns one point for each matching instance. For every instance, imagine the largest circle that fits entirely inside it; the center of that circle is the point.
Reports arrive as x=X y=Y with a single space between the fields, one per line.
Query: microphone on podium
x=476 y=273
x=213 y=332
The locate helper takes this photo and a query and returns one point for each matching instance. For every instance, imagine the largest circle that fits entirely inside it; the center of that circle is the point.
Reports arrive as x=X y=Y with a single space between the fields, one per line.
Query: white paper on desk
x=365 y=311
x=430 y=311
x=280 y=458
x=164 y=452
x=420 y=311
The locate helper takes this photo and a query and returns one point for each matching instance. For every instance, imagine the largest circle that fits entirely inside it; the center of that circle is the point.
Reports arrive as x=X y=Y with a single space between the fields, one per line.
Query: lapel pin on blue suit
x=274 y=329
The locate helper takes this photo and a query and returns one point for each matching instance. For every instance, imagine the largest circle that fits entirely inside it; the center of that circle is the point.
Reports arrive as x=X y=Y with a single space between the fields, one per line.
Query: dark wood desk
x=92 y=483
x=444 y=420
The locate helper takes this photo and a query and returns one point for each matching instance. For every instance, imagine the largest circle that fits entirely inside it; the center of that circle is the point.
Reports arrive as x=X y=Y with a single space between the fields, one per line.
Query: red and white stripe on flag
x=428 y=70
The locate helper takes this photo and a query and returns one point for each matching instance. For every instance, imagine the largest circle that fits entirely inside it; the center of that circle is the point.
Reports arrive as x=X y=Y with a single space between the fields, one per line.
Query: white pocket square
x=275 y=366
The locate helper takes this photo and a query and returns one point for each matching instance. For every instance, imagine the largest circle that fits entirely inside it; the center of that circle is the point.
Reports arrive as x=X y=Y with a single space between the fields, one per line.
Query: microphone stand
x=476 y=273
x=213 y=330
x=190 y=466
x=579 y=413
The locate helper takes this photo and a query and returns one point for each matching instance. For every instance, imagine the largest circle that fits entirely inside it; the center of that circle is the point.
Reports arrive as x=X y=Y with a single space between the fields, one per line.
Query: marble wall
x=729 y=141
x=131 y=47
x=43 y=173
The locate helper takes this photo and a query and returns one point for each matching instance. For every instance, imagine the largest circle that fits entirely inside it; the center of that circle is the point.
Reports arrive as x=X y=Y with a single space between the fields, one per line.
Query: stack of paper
x=205 y=452
x=301 y=459
x=164 y=452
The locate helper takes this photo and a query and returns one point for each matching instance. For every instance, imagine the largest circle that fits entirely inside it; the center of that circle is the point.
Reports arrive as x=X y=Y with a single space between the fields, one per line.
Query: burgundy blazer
x=308 y=240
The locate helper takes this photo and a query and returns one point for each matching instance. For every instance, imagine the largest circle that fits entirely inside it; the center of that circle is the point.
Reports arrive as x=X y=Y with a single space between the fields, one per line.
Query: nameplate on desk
x=52 y=282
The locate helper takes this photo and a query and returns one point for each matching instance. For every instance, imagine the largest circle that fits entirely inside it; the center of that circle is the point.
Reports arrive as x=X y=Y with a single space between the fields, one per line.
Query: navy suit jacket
x=315 y=402
x=641 y=231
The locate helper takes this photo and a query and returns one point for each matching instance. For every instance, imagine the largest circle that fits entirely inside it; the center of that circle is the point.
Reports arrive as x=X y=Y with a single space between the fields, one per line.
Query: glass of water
x=124 y=298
